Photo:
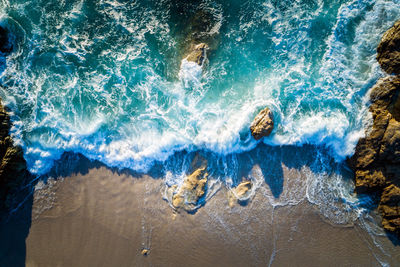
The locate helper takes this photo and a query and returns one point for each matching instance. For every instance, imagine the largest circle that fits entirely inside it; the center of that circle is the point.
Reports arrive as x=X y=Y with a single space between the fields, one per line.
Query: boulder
x=193 y=188
x=389 y=50
x=263 y=124
x=242 y=189
x=198 y=54
x=145 y=252
x=239 y=193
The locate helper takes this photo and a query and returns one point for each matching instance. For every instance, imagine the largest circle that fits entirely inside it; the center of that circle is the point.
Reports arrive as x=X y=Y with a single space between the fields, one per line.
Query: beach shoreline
x=104 y=218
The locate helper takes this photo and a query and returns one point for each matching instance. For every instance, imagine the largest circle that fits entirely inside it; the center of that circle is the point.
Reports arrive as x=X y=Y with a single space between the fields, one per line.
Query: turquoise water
x=105 y=78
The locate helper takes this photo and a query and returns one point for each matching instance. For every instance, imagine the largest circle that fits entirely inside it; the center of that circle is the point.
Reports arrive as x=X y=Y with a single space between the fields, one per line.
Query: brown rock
x=263 y=124
x=192 y=189
x=367 y=148
x=239 y=192
x=369 y=180
x=242 y=189
x=385 y=97
x=389 y=50
x=13 y=171
x=198 y=54
x=389 y=207
x=390 y=144
x=145 y=252
x=376 y=160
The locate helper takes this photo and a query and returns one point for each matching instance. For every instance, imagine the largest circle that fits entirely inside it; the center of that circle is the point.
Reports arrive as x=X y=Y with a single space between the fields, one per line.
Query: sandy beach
x=103 y=218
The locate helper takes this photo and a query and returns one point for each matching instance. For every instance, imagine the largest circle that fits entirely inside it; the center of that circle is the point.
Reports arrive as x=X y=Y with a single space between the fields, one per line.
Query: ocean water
x=108 y=79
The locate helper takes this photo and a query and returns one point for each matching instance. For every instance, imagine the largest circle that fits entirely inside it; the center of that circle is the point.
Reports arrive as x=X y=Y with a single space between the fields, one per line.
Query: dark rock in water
x=198 y=54
x=5 y=44
x=263 y=124
x=389 y=50
x=200 y=35
x=201 y=27
x=13 y=170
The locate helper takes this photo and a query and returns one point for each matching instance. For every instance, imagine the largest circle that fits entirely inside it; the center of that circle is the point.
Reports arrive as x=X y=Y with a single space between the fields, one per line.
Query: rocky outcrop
x=240 y=192
x=189 y=194
x=263 y=124
x=192 y=189
x=13 y=170
x=376 y=161
x=242 y=189
x=389 y=50
x=198 y=54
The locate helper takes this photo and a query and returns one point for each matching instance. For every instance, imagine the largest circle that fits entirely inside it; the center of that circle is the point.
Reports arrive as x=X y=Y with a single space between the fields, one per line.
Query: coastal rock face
x=192 y=189
x=380 y=149
x=376 y=161
x=198 y=54
x=13 y=171
x=389 y=50
x=263 y=124
x=389 y=207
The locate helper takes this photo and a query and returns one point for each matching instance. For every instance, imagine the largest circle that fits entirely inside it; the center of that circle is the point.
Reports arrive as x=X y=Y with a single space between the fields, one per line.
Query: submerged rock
x=200 y=35
x=263 y=124
x=198 y=54
x=376 y=161
x=5 y=44
x=389 y=50
x=193 y=188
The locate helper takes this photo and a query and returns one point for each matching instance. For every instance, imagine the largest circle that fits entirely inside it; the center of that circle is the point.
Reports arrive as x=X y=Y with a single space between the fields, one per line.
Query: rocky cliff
x=376 y=161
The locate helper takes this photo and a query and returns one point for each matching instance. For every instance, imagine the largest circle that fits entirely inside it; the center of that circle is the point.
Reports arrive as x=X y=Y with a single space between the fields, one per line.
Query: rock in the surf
x=263 y=124
x=198 y=54
x=193 y=188
x=242 y=189
x=389 y=50
x=13 y=169
x=240 y=192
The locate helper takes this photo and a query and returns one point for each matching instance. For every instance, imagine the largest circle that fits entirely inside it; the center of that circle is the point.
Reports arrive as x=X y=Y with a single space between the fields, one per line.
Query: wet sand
x=103 y=218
